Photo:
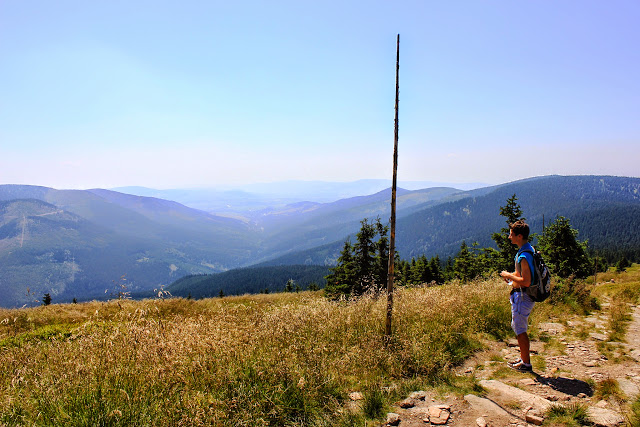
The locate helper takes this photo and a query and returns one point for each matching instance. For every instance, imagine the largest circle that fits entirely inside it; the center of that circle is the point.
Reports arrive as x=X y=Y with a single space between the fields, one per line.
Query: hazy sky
x=170 y=94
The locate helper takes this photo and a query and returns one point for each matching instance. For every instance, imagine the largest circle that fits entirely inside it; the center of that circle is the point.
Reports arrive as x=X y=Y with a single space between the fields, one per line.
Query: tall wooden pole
x=392 y=239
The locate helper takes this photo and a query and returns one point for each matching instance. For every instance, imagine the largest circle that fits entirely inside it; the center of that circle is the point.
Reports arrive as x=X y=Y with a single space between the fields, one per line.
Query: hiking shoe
x=520 y=366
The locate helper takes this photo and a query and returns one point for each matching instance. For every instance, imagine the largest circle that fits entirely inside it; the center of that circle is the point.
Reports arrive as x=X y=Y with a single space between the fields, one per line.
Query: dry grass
x=277 y=359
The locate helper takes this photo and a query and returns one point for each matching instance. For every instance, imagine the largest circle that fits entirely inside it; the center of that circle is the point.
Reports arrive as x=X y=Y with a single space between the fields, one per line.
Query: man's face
x=514 y=238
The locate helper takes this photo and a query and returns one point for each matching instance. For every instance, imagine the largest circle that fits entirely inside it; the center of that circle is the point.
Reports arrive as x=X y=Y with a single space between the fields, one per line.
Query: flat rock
x=602 y=417
x=552 y=328
x=524 y=397
x=628 y=387
x=534 y=419
x=598 y=337
x=481 y=422
x=485 y=406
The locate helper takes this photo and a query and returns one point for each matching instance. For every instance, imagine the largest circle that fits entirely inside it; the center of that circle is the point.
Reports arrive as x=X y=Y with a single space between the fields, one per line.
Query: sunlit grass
x=277 y=359
x=287 y=359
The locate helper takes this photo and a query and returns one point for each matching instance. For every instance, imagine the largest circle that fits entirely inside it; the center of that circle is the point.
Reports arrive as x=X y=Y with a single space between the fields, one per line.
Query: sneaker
x=520 y=366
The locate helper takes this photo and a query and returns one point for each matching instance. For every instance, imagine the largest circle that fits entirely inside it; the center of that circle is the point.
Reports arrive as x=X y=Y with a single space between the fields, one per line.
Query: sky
x=194 y=94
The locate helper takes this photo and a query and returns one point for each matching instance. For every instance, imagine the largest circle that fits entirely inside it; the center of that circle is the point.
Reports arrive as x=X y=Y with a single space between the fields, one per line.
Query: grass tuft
x=574 y=414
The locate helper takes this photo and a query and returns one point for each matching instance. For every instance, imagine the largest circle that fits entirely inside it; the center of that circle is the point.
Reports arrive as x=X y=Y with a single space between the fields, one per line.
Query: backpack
x=540 y=288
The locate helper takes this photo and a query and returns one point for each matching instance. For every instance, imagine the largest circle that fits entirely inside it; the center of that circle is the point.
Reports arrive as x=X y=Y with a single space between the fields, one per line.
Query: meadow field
x=288 y=359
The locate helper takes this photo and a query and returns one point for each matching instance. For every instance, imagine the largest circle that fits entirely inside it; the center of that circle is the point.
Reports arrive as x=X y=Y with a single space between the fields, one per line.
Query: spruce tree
x=363 y=265
x=506 y=250
x=562 y=251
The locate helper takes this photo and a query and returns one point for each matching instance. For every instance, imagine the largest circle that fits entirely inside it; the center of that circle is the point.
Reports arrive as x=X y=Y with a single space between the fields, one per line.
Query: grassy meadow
x=287 y=359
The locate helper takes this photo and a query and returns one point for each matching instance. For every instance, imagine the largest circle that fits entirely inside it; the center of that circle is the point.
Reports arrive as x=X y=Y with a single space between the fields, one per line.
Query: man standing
x=521 y=303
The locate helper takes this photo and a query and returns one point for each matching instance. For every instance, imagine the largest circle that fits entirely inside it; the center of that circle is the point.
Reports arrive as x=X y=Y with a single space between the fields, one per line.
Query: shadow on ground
x=566 y=385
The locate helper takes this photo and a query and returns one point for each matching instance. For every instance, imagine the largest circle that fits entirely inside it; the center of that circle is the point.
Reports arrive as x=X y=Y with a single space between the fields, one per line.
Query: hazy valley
x=81 y=243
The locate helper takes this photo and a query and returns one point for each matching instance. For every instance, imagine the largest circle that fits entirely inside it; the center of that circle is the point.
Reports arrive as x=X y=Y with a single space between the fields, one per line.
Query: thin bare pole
x=392 y=239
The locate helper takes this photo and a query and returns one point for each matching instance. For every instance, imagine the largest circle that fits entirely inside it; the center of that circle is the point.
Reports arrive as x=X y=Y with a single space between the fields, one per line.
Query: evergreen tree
x=46 y=300
x=503 y=259
x=565 y=255
x=622 y=264
x=364 y=258
x=289 y=286
x=464 y=263
x=221 y=293
x=436 y=270
x=362 y=266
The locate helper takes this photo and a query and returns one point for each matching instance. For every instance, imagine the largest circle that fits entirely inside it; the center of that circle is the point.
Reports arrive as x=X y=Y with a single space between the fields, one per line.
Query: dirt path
x=569 y=360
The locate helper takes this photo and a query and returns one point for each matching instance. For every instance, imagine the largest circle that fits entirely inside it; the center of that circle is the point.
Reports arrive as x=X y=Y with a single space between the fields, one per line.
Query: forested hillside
x=78 y=244
x=603 y=210
x=252 y=280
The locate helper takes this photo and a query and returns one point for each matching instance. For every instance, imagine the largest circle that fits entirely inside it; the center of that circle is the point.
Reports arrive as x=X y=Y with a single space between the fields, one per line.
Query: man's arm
x=519 y=281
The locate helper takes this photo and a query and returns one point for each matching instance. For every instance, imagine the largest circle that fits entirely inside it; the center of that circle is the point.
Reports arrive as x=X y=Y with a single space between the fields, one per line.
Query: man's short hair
x=520 y=227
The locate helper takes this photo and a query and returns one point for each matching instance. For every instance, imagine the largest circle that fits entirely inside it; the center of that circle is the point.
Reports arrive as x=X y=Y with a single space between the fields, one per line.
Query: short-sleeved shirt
x=523 y=252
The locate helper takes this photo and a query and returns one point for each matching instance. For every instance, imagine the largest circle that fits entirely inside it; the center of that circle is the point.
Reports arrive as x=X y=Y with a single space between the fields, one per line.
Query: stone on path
x=534 y=419
x=408 y=403
x=539 y=403
x=485 y=406
x=481 y=422
x=418 y=395
x=629 y=388
x=598 y=337
x=393 y=419
x=439 y=414
x=602 y=417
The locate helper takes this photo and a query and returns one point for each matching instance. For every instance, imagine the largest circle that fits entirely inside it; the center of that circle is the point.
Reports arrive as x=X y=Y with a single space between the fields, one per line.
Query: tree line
x=362 y=266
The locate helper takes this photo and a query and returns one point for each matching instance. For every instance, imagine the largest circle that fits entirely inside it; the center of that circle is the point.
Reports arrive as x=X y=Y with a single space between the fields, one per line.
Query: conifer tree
x=363 y=265
x=562 y=251
x=506 y=250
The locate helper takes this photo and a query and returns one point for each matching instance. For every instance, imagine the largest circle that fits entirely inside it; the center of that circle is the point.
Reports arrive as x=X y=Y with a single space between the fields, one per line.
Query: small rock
x=468 y=370
x=582 y=395
x=441 y=420
x=534 y=419
x=408 y=403
x=418 y=395
x=356 y=395
x=598 y=337
x=393 y=419
x=590 y=363
x=434 y=412
x=527 y=381
x=481 y=422
x=602 y=404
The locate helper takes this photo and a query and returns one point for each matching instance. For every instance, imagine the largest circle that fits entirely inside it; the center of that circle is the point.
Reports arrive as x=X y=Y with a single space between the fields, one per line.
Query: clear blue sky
x=214 y=93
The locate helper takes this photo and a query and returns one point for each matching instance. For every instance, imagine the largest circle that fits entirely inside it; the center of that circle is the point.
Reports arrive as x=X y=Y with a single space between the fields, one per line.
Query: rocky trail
x=569 y=360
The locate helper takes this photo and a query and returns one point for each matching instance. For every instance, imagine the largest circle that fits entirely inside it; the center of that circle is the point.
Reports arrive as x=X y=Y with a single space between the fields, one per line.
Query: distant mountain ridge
x=77 y=243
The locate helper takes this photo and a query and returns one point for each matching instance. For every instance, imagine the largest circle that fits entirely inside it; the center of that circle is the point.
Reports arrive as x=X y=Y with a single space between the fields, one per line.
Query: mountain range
x=85 y=243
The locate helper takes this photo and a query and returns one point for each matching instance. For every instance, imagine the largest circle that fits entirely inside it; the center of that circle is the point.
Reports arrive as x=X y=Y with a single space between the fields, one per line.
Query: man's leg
x=523 y=343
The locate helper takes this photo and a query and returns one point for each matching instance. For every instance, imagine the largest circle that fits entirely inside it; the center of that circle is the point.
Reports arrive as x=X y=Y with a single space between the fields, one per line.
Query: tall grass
x=279 y=359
